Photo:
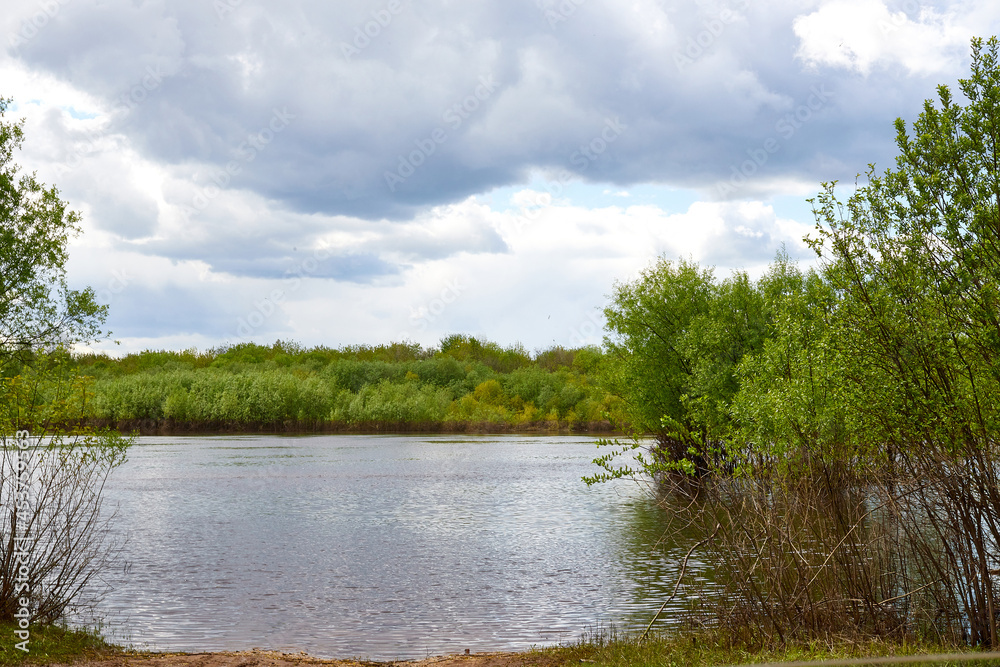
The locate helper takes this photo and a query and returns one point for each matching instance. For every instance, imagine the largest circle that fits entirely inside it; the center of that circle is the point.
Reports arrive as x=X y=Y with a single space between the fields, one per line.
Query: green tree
x=716 y=341
x=647 y=321
x=677 y=339
x=53 y=533
x=37 y=309
x=788 y=408
x=500 y=359
x=915 y=256
x=866 y=404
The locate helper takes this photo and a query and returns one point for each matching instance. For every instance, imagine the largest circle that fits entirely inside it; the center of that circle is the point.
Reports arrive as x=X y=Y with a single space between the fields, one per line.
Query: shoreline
x=271 y=658
x=665 y=648
x=171 y=427
x=682 y=650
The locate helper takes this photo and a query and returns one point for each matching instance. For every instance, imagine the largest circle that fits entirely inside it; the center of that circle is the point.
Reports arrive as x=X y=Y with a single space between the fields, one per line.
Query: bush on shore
x=466 y=381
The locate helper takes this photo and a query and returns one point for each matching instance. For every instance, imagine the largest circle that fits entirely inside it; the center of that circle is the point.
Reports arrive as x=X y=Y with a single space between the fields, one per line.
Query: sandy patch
x=258 y=658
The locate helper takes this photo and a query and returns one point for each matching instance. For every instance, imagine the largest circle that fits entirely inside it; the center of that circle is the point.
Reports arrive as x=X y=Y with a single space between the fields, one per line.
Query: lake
x=384 y=547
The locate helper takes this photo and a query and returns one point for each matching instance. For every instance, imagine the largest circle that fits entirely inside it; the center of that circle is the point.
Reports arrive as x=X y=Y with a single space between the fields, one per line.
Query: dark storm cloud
x=393 y=106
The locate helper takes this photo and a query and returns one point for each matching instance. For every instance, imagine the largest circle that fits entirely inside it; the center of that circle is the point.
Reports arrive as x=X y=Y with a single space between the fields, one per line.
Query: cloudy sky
x=364 y=171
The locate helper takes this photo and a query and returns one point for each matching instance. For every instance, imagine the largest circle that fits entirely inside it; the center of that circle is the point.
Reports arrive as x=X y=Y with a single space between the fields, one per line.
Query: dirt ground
x=258 y=658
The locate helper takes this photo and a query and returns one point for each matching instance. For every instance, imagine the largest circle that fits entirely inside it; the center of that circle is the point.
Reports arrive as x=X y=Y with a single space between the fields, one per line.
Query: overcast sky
x=368 y=171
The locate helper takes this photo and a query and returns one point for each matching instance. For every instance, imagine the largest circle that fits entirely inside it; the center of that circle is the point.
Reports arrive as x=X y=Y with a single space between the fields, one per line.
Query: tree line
x=465 y=383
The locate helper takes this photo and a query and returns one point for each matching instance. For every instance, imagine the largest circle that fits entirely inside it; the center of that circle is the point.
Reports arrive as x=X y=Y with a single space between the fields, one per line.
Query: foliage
x=388 y=403
x=54 y=536
x=790 y=399
x=500 y=359
x=55 y=644
x=707 y=647
x=37 y=309
x=915 y=256
x=647 y=321
x=52 y=476
x=678 y=337
x=843 y=422
x=391 y=385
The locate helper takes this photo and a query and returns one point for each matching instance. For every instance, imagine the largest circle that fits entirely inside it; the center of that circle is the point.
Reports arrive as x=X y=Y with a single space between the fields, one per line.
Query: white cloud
x=545 y=290
x=861 y=34
x=311 y=214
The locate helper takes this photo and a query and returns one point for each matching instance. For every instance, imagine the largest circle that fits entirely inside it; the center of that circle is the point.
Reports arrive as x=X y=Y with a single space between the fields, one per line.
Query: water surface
x=378 y=546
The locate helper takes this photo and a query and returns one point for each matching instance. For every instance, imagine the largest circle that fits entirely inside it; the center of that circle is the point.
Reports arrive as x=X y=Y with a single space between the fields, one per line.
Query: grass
x=53 y=643
x=694 y=649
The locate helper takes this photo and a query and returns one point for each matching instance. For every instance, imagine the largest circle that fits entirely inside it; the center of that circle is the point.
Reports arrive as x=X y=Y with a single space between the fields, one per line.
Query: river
x=383 y=547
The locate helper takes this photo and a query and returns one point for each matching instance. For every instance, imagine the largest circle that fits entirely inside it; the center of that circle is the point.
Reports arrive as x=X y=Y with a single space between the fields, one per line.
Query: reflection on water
x=384 y=547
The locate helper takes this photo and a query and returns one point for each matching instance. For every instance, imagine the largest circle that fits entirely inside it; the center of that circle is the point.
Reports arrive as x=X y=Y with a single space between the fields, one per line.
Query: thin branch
x=679 y=578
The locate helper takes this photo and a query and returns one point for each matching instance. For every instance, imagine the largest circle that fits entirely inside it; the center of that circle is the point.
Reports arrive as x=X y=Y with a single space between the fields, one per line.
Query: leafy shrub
x=353 y=375
x=386 y=402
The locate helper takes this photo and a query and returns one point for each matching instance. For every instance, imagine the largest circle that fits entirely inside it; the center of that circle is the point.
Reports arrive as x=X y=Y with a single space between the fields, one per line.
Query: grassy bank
x=57 y=645
x=49 y=644
x=706 y=650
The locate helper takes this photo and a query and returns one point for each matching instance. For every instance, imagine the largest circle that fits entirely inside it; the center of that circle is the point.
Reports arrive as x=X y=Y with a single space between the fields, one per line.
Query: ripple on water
x=384 y=547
